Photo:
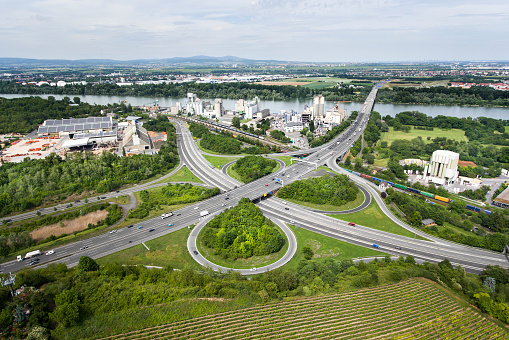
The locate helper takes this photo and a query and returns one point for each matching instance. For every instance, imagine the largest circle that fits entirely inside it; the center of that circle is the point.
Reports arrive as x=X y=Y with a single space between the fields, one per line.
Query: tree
x=358 y=163
x=308 y=253
x=236 y=122
x=311 y=126
x=76 y=100
x=87 y=264
x=370 y=158
x=415 y=219
x=67 y=311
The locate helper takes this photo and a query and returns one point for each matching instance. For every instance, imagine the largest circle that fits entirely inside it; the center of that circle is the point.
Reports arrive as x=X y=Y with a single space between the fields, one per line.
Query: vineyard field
x=412 y=309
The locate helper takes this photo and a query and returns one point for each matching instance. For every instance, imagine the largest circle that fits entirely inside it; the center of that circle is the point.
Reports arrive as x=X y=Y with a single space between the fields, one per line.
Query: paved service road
x=191 y=247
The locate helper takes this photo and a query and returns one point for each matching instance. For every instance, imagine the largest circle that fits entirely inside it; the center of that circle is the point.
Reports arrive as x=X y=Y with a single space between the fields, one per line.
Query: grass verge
x=329 y=207
x=183 y=175
x=219 y=161
x=168 y=250
x=373 y=217
x=124 y=199
x=286 y=159
x=326 y=247
x=391 y=136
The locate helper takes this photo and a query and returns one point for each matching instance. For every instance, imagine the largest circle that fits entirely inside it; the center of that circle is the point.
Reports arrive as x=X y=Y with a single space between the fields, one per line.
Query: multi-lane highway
x=472 y=259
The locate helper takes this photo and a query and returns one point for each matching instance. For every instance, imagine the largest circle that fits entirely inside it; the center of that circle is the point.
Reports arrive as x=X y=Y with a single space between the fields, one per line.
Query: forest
x=23 y=115
x=238 y=90
x=250 y=168
x=336 y=190
x=441 y=95
x=92 y=301
x=242 y=232
x=31 y=183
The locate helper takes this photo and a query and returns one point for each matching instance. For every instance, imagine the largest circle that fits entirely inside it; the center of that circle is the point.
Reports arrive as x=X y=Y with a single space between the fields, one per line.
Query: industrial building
x=443 y=167
x=203 y=108
x=136 y=139
x=502 y=200
x=319 y=107
x=70 y=127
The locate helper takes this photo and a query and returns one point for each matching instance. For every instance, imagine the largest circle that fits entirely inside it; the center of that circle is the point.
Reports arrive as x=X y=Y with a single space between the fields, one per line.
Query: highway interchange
x=434 y=250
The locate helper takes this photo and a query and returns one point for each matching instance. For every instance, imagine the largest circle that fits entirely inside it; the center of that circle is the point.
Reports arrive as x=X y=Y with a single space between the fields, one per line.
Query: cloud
x=310 y=30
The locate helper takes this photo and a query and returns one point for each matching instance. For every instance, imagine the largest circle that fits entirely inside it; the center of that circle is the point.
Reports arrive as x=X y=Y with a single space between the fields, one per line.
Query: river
x=298 y=105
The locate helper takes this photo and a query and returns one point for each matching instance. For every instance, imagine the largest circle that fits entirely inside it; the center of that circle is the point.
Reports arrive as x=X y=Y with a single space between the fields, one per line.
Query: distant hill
x=195 y=60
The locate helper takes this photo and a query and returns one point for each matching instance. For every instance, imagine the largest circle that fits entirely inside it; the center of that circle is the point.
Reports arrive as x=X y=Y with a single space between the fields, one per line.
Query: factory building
x=443 y=167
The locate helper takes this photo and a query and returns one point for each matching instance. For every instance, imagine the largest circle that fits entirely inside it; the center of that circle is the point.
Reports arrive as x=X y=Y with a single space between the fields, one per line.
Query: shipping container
x=399 y=186
x=427 y=194
x=443 y=199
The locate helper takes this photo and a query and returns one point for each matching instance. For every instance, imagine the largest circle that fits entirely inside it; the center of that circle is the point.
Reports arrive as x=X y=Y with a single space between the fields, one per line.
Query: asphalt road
x=472 y=259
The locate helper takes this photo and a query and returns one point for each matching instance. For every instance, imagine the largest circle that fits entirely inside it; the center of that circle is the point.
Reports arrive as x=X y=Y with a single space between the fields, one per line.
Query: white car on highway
x=50 y=252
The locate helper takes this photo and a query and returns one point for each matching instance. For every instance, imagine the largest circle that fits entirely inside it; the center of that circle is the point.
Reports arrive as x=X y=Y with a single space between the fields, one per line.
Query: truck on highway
x=163 y=216
x=29 y=255
x=204 y=213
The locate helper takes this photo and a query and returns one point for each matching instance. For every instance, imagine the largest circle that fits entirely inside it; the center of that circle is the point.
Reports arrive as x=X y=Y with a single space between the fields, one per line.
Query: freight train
x=419 y=192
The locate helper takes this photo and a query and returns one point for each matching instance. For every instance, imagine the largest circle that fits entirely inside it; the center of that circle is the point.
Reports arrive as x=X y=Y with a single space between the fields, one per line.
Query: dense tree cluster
x=224 y=142
x=221 y=143
x=280 y=135
x=336 y=190
x=27 y=184
x=457 y=215
x=478 y=194
x=476 y=95
x=23 y=115
x=242 y=232
x=91 y=300
x=159 y=124
x=171 y=194
x=250 y=168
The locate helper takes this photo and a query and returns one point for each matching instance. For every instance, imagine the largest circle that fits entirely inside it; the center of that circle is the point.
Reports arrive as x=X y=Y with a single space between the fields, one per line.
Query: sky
x=292 y=30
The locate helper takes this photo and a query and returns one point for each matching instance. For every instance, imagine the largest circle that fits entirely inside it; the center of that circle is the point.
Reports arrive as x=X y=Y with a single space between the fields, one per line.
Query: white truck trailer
x=29 y=255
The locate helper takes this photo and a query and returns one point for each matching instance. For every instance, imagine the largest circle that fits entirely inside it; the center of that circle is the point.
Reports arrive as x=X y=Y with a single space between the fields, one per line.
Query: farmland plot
x=412 y=309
